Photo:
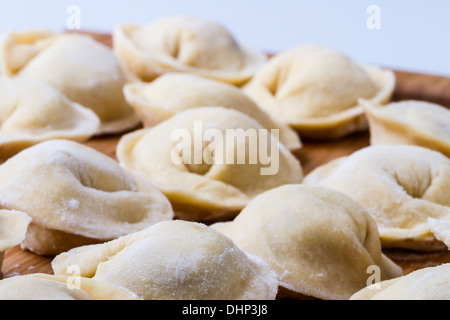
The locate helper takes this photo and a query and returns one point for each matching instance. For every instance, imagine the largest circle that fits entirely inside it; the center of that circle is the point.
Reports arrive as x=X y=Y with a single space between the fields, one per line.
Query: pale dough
x=175 y=260
x=401 y=186
x=76 y=195
x=203 y=188
x=319 y=241
x=13 y=228
x=41 y=286
x=432 y=283
x=441 y=230
x=185 y=44
x=174 y=92
x=316 y=90
x=84 y=70
x=410 y=122
x=32 y=111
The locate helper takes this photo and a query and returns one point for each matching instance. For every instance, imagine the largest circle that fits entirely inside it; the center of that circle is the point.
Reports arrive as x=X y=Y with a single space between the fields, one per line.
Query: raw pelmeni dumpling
x=13 y=227
x=175 y=260
x=209 y=161
x=316 y=90
x=84 y=70
x=185 y=44
x=175 y=92
x=441 y=230
x=33 y=111
x=401 y=186
x=432 y=283
x=320 y=242
x=76 y=195
x=41 y=286
x=409 y=122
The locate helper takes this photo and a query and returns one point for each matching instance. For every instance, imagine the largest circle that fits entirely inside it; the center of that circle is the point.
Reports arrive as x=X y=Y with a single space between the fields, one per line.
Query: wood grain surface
x=314 y=153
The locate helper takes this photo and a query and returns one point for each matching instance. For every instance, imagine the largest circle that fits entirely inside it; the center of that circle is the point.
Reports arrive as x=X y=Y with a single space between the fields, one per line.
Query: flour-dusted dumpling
x=410 y=122
x=316 y=90
x=41 y=286
x=320 y=242
x=175 y=260
x=185 y=44
x=209 y=161
x=432 y=283
x=84 y=70
x=76 y=195
x=400 y=186
x=441 y=230
x=33 y=111
x=175 y=92
x=13 y=227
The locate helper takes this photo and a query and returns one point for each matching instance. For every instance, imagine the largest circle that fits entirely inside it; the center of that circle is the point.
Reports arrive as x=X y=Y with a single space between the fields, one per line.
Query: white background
x=414 y=35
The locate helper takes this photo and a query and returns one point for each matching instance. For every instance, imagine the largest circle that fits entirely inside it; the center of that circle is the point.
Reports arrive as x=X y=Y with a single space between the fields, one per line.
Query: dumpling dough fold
x=84 y=70
x=319 y=241
x=441 y=230
x=40 y=286
x=185 y=44
x=316 y=90
x=32 y=111
x=431 y=283
x=175 y=260
x=401 y=186
x=209 y=179
x=76 y=195
x=409 y=122
x=13 y=228
x=175 y=92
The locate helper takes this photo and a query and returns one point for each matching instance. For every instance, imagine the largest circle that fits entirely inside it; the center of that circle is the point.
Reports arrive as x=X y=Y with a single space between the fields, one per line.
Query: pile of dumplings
x=142 y=226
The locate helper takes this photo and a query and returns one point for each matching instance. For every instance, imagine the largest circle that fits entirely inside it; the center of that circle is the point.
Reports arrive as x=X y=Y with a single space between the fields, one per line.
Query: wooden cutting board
x=314 y=153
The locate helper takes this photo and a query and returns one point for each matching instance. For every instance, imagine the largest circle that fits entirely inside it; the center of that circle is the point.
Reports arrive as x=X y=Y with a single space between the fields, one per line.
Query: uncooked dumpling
x=13 y=227
x=175 y=92
x=410 y=122
x=185 y=44
x=76 y=195
x=441 y=230
x=175 y=260
x=33 y=111
x=400 y=186
x=316 y=90
x=432 y=283
x=41 y=286
x=84 y=70
x=319 y=241
x=209 y=161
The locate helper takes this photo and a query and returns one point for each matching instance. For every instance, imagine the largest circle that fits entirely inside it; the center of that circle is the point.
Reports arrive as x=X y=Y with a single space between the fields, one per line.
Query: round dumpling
x=48 y=287
x=319 y=241
x=410 y=122
x=209 y=161
x=33 y=111
x=316 y=90
x=76 y=195
x=432 y=283
x=84 y=70
x=13 y=227
x=401 y=187
x=175 y=260
x=175 y=92
x=185 y=44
